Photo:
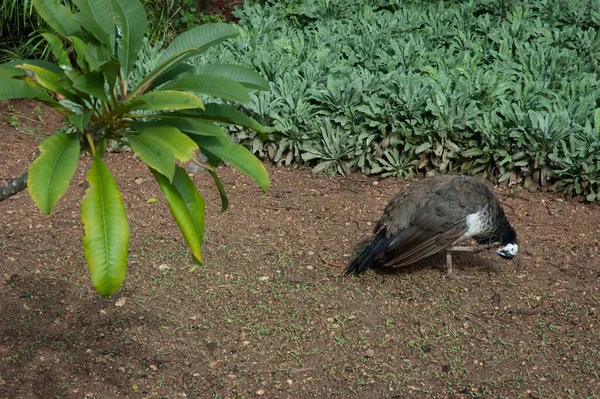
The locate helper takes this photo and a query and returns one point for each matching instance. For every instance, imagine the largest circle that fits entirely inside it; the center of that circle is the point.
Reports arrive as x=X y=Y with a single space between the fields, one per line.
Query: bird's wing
x=415 y=243
x=435 y=224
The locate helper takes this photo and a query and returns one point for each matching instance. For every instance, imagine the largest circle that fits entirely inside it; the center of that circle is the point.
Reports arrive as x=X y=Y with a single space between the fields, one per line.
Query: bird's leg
x=449 y=269
x=463 y=248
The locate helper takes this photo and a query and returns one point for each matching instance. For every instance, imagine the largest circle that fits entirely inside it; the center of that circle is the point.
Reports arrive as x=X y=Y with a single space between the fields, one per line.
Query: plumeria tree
x=166 y=119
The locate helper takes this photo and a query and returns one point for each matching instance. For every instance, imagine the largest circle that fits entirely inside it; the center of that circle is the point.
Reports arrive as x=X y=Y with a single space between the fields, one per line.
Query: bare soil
x=266 y=317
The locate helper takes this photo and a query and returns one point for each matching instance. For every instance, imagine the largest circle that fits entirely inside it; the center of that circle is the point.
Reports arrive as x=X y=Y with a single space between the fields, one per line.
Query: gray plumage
x=431 y=215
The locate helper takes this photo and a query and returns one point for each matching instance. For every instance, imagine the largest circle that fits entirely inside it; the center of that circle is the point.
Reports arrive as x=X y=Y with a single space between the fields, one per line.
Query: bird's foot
x=453 y=276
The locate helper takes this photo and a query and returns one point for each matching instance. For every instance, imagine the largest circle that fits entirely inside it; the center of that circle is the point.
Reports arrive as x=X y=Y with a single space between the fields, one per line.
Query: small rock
x=263 y=278
x=120 y=302
x=260 y=392
x=163 y=267
x=310 y=268
x=369 y=353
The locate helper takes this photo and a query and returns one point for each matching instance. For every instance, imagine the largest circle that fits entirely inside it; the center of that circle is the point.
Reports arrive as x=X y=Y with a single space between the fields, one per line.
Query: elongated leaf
x=199 y=39
x=237 y=155
x=106 y=231
x=9 y=71
x=92 y=27
x=154 y=154
x=111 y=72
x=216 y=86
x=222 y=193
x=168 y=100
x=162 y=73
x=131 y=26
x=246 y=77
x=182 y=147
x=48 y=80
x=80 y=51
x=221 y=113
x=39 y=63
x=51 y=172
x=57 y=48
x=97 y=17
x=91 y=83
x=58 y=16
x=187 y=125
x=187 y=207
x=96 y=56
x=13 y=88
x=81 y=121
x=170 y=73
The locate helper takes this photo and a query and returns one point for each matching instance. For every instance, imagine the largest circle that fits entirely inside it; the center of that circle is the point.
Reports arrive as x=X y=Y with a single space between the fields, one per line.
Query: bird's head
x=509 y=247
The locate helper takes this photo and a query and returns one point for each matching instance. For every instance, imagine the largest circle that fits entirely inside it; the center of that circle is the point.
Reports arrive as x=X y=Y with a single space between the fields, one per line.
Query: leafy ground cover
x=501 y=88
x=265 y=317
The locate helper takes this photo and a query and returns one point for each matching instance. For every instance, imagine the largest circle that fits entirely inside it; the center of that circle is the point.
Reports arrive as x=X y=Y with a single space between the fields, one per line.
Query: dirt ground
x=266 y=317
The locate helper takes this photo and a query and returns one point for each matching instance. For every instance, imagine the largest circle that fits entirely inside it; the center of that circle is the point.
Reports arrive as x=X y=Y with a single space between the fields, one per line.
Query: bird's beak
x=503 y=254
x=508 y=252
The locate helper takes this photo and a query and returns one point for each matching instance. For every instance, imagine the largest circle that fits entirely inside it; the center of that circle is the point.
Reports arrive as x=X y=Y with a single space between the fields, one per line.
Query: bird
x=432 y=215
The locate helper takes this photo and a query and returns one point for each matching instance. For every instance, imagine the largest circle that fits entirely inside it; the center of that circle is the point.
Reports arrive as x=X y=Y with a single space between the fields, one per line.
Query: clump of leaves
x=162 y=119
x=333 y=152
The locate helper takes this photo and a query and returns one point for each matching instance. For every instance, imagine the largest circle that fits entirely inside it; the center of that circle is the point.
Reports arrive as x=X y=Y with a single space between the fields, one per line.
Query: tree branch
x=14 y=186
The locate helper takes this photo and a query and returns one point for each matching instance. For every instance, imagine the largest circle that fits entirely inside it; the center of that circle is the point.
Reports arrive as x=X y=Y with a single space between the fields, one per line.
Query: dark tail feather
x=369 y=254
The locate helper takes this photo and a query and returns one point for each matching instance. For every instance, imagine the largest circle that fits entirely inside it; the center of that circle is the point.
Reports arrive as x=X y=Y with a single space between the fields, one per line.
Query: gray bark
x=14 y=186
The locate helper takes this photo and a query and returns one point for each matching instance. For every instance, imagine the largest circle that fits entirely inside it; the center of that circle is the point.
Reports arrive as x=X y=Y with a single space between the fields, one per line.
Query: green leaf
x=237 y=155
x=168 y=100
x=106 y=231
x=131 y=23
x=91 y=83
x=246 y=77
x=48 y=80
x=472 y=152
x=422 y=147
x=187 y=207
x=162 y=73
x=216 y=86
x=57 y=48
x=222 y=193
x=111 y=72
x=96 y=57
x=101 y=146
x=13 y=88
x=220 y=113
x=49 y=175
x=58 y=16
x=97 y=18
x=9 y=71
x=187 y=125
x=80 y=50
x=81 y=121
x=199 y=39
x=154 y=154
x=182 y=147
x=92 y=27
x=597 y=121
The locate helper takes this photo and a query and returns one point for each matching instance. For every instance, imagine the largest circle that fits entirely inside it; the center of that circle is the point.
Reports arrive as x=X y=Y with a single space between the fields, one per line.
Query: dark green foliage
x=171 y=17
x=18 y=30
x=503 y=88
